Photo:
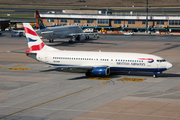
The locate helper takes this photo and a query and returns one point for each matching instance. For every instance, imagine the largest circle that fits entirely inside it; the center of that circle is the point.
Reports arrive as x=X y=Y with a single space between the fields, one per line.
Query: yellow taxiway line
x=103 y=83
x=18 y=68
x=99 y=78
x=132 y=79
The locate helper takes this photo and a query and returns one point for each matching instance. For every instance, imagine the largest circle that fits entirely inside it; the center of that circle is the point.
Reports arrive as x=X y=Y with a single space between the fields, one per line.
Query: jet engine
x=101 y=71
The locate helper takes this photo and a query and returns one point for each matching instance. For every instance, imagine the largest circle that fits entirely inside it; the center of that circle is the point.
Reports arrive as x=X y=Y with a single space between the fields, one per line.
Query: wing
x=47 y=33
x=72 y=67
x=77 y=67
x=76 y=34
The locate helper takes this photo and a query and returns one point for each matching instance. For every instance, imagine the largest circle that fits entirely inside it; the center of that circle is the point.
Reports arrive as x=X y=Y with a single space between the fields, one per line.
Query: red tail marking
x=27 y=30
x=36 y=47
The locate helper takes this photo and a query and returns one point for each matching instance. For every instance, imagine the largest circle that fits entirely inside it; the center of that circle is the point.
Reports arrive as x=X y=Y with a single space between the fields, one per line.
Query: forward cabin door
x=46 y=58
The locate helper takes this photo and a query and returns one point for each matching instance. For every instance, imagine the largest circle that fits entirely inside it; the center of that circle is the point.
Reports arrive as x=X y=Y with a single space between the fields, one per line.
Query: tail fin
x=39 y=21
x=33 y=40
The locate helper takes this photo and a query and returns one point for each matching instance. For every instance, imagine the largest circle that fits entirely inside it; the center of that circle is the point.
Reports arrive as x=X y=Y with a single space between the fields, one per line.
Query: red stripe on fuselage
x=146 y=59
x=27 y=30
x=36 y=47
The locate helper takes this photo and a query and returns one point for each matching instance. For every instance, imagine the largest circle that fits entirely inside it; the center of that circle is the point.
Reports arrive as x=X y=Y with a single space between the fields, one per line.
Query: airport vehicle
x=8 y=29
x=69 y=31
x=88 y=30
x=96 y=63
x=17 y=33
x=128 y=33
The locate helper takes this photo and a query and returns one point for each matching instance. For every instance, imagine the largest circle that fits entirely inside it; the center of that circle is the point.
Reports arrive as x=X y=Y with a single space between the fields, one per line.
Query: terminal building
x=114 y=22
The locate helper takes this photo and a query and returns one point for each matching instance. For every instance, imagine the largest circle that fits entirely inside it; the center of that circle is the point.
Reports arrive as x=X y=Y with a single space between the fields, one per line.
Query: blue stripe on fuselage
x=127 y=69
x=138 y=69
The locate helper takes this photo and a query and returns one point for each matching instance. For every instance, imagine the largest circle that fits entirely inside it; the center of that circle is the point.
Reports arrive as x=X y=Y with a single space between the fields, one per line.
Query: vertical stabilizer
x=33 y=40
x=39 y=21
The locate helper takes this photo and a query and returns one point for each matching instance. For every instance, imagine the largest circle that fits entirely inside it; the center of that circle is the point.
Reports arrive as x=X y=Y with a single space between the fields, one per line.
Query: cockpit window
x=163 y=60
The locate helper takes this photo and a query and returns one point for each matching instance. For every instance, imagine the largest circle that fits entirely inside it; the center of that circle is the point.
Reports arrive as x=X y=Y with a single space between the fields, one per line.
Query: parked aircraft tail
x=39 y=21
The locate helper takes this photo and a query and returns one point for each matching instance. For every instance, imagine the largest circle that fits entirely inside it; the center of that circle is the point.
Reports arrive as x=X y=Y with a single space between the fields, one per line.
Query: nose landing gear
x=155 y=74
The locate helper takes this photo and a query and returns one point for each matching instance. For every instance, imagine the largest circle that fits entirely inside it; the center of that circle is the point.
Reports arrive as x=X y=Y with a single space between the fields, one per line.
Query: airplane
x=68 y=31
x=95 y=63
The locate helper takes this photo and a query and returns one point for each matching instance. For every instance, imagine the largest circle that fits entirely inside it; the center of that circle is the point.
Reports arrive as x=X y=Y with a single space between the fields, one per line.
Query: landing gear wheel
x=154 y=75
x=51 y=40
x=87 y=37
x=88 y=73
x=70 y=41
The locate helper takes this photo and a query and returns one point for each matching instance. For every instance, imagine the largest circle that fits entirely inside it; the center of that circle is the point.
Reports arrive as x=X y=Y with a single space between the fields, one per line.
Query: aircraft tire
x=154 y=75
x=70 y=41
x=88 y=73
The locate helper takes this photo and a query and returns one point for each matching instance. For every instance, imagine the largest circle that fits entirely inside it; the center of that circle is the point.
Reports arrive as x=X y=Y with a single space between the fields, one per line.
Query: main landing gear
x=88 y=73
x=71 y=39
x=51 y=41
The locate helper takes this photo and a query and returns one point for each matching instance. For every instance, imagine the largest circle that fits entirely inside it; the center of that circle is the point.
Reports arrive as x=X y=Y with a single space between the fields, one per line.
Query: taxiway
x=30 y=91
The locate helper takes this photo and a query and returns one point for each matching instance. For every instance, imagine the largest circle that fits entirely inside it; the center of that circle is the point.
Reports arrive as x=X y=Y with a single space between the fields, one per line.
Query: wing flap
x=72 y=67
x=77 y=67
x=48 y=33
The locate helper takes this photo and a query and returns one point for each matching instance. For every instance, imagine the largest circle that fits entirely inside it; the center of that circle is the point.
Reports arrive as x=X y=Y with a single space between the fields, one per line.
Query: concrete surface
x=41 y=93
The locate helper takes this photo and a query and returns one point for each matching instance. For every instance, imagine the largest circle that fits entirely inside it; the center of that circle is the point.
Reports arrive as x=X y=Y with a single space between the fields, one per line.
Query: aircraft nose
x=168 y=65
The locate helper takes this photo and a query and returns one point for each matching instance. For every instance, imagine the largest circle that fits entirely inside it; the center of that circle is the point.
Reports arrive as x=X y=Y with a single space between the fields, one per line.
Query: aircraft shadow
x=66 y=43
x=113 y=74
x=79 y=78
x=145 y=74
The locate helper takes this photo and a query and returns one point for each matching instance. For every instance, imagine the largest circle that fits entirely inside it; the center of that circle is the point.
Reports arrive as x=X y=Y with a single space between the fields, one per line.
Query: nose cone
x=168 y=65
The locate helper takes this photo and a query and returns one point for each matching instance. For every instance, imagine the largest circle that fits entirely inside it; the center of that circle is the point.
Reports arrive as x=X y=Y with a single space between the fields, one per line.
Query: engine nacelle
x=81 y=37
x=101 y=71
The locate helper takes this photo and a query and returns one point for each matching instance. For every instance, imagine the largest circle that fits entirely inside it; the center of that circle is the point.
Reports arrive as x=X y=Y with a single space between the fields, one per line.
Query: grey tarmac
x=30 y=91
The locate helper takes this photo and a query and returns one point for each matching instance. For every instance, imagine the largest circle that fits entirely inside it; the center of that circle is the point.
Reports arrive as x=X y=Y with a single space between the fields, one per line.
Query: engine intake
x=101 y=71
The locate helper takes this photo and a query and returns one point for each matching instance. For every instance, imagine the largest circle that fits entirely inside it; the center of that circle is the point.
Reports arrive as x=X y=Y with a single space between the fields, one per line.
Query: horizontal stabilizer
x=21 y=52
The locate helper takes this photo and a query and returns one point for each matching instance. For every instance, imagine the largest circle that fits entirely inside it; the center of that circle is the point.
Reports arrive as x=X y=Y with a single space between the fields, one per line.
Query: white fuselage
x=113 y=60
